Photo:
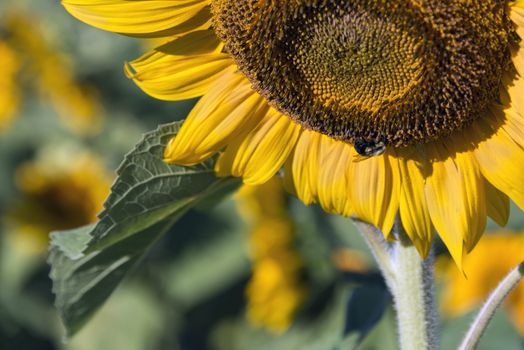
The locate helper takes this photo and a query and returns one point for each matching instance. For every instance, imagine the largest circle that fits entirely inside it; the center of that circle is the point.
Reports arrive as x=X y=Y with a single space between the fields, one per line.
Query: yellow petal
x=257 y=156
x=501 y=161
x=517 y=16
x=414 y=211
x=230 y=108
x=518 y=4
x=513 y=125
x=514 y=108
x=166 y=73
x=394 y=183
x=518 y=61
x=334 y=162
x=511 y=117
x=455 y=197
x=200 y=42
x=304 y=167
x=497 y=204
x=154 y=18
x=374 y=191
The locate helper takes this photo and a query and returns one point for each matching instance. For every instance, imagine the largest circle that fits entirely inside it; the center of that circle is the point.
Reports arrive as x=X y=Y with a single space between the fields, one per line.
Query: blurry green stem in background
x=491 y=305
x=411 y=283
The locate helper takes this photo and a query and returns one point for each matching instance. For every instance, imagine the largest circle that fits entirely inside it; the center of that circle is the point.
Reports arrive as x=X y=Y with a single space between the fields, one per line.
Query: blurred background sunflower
x=276 y=289
x=497 y=254
x=57 y=192
x=260 y=270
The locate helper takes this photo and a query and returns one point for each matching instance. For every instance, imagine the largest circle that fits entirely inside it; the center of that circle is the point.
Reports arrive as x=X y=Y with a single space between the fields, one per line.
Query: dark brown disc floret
x=368 y=72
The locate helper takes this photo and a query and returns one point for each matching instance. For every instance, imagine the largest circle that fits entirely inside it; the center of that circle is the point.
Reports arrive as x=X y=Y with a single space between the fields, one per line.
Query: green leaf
x=72 y=243
x=148 y=190
x=116 y=325
x=365 y=309
x=88 y=263
x=382 y=336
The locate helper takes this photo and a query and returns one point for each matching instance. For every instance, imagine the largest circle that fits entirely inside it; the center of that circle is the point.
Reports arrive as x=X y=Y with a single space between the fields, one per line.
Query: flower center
x=372 y=72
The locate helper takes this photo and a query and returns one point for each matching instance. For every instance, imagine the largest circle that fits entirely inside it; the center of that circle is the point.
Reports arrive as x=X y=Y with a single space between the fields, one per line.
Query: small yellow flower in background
x=495 y=255
x=58 y=191
x=375 y=109
x=9 y=91
x=275 y=291
x=76 y=104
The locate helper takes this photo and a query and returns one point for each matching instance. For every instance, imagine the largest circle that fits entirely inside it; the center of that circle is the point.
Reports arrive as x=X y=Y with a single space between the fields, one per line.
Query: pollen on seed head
x=392 y=72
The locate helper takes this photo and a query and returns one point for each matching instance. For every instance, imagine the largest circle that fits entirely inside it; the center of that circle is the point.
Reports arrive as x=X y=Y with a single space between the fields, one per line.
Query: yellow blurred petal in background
x=49 y=69
x=276 y=290
x=492 y=259
x=9 y=91
x=351 y=260
x=57 y=193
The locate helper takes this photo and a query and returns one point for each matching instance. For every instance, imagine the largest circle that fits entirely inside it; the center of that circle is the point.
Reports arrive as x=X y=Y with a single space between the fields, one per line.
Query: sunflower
x=461 y=294
x=276 y=290
x=59 y=191
x=373 y=108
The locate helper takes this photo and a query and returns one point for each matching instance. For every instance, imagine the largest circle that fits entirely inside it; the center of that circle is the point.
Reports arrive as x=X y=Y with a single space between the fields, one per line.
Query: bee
x=367 y=149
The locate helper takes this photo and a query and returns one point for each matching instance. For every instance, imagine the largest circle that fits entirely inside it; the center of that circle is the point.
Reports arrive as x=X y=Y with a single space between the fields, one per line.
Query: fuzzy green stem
x=414 y=296
x=410 y=281
x=491 y=305
x=379 y=249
